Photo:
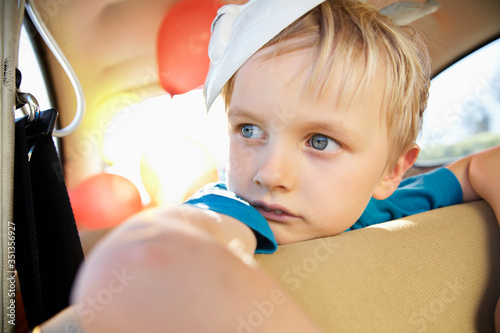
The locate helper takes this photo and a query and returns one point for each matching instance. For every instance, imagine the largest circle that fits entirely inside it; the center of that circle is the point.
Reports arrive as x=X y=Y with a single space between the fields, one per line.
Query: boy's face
x=310 y=166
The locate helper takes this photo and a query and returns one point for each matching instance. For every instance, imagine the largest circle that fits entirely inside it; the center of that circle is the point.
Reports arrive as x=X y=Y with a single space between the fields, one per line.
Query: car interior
x=106 y=96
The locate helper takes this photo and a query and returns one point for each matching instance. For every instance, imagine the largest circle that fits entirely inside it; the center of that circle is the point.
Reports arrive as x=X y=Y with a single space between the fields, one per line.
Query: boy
x=321 y=119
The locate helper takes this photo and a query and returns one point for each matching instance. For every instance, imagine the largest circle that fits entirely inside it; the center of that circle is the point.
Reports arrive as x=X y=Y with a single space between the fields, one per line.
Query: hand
x=163 y=268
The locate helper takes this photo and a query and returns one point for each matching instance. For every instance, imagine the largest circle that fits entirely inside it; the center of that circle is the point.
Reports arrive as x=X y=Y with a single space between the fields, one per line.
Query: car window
x=167 y=144
x=33 y=78
x=463 y=112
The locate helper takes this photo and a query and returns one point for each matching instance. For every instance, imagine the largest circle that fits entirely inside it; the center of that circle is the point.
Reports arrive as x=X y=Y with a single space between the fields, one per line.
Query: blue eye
x=322 y=142
x=250 y=131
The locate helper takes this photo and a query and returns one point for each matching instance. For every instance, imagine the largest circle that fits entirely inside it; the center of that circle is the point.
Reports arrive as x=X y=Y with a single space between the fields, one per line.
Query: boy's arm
x=479 y=177
x=182 y=269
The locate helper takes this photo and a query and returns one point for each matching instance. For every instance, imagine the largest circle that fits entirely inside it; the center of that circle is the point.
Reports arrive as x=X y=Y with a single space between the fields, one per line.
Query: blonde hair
x=357 y=35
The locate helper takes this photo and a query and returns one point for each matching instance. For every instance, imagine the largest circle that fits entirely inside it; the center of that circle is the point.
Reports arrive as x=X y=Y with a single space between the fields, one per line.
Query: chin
x=283 y=238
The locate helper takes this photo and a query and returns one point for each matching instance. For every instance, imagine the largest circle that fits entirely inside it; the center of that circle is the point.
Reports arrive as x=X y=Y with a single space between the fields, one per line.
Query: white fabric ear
x=405 y=12
x=222 y=28
x=239 y=31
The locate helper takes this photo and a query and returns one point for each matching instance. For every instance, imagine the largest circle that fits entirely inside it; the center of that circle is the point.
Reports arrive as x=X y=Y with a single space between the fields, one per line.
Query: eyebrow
x=236 y=111
x=333 y=125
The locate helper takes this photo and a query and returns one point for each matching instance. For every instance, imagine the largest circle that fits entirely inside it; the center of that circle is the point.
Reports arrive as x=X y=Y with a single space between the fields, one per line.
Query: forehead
x=288 y=72
x=294 y=75
x=277 y=87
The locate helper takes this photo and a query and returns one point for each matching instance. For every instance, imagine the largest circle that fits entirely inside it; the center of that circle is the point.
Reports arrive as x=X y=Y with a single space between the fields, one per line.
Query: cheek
x=238 y=167
x=340 y=196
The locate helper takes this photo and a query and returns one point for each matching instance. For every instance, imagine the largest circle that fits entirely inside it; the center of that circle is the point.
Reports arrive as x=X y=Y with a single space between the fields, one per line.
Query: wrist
x=229 y=231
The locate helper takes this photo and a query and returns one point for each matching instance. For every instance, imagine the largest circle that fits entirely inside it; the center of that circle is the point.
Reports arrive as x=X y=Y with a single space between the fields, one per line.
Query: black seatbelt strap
x=48 y=249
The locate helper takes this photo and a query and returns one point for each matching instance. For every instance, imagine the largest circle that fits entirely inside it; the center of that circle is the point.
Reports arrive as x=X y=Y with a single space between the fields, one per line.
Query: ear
x=392 y=177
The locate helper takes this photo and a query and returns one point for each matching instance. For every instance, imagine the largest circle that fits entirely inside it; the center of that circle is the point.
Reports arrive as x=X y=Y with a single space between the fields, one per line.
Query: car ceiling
x=111 y=45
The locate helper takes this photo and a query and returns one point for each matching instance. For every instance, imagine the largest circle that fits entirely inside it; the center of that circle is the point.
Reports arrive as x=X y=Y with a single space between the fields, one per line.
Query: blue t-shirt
x=438 y=188
x=417 y=194
x=217 y=198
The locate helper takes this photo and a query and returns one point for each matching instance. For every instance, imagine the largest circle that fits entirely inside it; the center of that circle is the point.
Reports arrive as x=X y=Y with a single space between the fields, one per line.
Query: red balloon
x=104 y=201
x=182 y=45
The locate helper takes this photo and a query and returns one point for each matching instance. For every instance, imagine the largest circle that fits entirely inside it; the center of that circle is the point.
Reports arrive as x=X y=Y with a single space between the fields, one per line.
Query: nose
x=276 y=170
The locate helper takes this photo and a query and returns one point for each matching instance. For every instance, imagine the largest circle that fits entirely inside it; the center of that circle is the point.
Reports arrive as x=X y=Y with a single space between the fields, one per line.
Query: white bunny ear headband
x=239 y=31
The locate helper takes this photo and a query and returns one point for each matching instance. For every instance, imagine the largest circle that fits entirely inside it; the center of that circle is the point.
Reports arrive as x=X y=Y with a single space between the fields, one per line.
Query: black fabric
x=48 y=249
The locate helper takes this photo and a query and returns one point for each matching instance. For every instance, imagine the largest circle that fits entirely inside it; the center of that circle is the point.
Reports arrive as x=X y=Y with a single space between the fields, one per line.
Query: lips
x=273 y=211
